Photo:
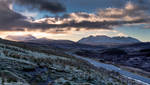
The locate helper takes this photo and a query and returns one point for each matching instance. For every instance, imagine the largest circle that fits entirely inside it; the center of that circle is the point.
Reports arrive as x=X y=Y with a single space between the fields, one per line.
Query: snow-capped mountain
x=20 y=38
x=105 y=40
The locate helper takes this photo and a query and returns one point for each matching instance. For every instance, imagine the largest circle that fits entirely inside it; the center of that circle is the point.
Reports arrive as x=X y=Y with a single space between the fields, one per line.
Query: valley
x=49 y=63
x=19 y=65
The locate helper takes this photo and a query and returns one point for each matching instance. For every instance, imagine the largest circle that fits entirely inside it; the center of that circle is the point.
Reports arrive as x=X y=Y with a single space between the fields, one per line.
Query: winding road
x=110 y=67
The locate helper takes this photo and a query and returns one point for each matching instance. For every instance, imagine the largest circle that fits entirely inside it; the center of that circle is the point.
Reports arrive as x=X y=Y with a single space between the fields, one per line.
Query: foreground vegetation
x=21 y=66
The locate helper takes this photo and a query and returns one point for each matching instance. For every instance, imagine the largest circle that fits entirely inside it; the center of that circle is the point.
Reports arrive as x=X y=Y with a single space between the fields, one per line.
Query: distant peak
x=103 y=39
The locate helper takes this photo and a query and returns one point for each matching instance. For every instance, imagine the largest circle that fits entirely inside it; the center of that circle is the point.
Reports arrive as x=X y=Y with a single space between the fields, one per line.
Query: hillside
x=19 y=65
x=134 y=56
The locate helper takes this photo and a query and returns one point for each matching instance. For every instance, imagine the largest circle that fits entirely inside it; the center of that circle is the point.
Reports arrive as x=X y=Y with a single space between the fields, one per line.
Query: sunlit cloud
x=72 y=35
x=69 y=24
x=107 y=18
x=29 y=14
x=103 y=19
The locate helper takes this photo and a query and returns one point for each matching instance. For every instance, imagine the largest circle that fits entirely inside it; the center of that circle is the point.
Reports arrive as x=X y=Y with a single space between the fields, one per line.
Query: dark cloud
x=12 y=21
x=84 y=24
x=42 y=5
x=9 y=18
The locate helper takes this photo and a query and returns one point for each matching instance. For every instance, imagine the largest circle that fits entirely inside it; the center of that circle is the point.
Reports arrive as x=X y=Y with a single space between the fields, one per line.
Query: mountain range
x=34 y=64
x=25 y=61
x=91 y=40
x=105 y=40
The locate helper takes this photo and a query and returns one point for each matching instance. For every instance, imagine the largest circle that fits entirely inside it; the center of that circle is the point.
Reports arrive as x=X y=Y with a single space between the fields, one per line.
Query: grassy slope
x=36 y=65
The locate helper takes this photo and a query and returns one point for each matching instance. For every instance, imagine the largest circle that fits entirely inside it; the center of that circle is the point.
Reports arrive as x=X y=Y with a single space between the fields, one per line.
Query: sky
x=74 y=19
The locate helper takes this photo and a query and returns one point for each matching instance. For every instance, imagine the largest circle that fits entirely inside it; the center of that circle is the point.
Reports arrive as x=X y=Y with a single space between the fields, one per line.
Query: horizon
x=74 y=42
x=74 y=20
x=30 y=37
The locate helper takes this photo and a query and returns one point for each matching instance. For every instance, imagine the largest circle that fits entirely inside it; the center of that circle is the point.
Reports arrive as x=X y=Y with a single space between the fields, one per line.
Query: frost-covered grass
x=12 y=83
x=9 y=78
x=16 y=52
x=37 y=66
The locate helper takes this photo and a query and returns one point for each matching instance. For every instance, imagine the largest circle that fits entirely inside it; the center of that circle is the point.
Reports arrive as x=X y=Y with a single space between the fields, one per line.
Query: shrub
x=145 y=50
x=114 y=51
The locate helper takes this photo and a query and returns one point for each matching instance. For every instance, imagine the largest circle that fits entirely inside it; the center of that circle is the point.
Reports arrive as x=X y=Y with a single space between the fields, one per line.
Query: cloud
x=42 y=5
x=9 y=18
x=107 y=18
x=104 y=18
x=129 y=12
x=29 y=14
x=12 y=21
x=73 y=35
x=147 y=26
